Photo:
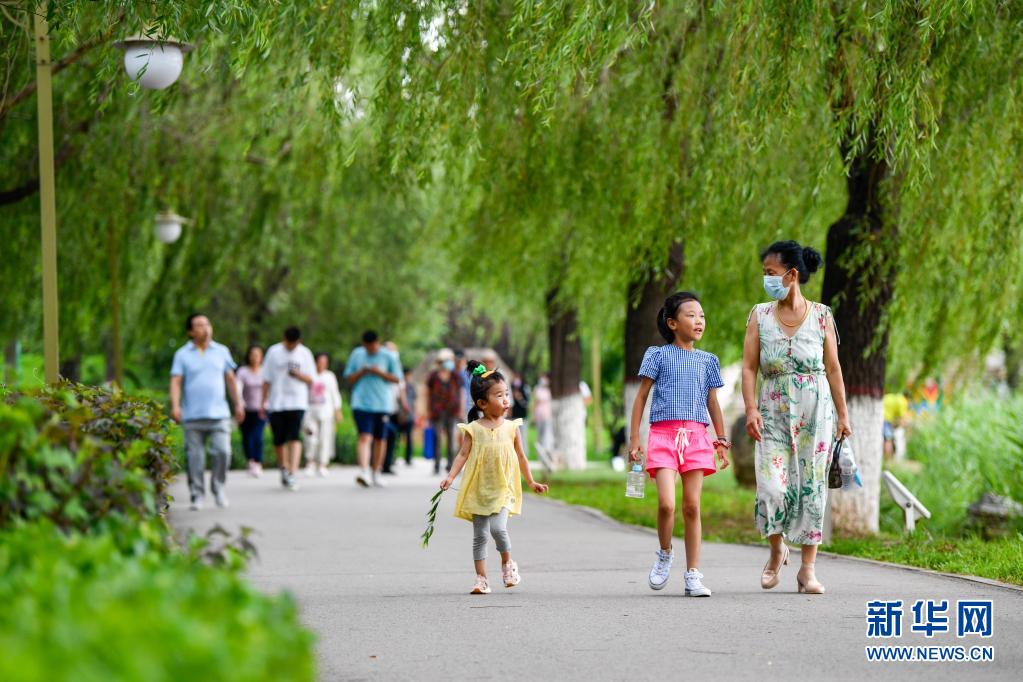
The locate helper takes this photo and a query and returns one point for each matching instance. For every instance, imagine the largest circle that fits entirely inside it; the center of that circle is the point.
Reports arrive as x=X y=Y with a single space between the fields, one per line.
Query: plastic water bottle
x=847 y=465
x=635 y=482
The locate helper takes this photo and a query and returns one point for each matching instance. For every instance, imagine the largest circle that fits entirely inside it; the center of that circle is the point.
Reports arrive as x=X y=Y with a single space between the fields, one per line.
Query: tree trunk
x=864 y=338
x=569 y=413
x=1012 y=364
x=12 y=357
x=646 y=296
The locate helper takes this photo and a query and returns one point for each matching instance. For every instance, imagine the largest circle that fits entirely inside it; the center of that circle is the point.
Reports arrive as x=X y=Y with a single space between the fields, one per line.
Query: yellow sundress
x=490 y=477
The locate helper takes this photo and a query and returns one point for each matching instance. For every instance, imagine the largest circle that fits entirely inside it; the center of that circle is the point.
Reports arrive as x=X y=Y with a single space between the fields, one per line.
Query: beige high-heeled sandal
x=811 y=586
x=769 y=578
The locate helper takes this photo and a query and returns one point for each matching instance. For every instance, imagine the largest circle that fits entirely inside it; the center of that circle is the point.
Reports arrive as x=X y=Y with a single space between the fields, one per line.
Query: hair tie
x=480 y=371
x=487 y=373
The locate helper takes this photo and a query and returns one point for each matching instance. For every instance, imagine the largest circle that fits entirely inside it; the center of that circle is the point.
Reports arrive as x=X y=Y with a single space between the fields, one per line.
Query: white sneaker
x=362 y=479
x=196 y=504
x=310 y=471
x=618 y=463
x=221 y=499
x=292 y=484
x=661 y=570
x=322 y=472
x=694 y=584
x=378 y=482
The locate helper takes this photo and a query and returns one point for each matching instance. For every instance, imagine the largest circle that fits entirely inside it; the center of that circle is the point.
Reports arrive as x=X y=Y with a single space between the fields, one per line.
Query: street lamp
x=153 y=61
x=168 y=226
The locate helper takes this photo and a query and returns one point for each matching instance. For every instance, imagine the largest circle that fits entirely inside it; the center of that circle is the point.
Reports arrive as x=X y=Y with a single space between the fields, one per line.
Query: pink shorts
x=680 y=445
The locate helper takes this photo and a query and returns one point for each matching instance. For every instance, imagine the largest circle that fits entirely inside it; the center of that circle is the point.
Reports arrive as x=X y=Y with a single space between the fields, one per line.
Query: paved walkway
x=383 y=608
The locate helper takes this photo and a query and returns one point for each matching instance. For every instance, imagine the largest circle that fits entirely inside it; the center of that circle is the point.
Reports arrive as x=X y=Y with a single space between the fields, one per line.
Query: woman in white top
x=322 y=417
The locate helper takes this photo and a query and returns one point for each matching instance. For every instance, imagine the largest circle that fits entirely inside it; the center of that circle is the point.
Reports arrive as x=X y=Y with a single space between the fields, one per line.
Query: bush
x=123 y=606
x=79 y=455
x=972 y=446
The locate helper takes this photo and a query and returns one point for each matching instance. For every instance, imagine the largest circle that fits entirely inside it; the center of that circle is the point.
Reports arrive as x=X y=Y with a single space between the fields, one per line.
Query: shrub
x=972 y=446
x=78 y=455
x=123 y=606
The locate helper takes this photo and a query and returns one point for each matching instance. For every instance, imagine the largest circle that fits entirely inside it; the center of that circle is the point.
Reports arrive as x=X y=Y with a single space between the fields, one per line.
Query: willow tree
x=906 y=85
x=254 y=143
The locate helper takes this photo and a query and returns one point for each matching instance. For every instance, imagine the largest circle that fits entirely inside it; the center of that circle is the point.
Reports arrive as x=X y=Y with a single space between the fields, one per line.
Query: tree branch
x=58 y=66
x=16 y=194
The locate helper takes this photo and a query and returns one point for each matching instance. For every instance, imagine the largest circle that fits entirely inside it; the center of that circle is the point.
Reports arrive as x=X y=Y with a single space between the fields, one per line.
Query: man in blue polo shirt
x=372 y=370
x=201 y=377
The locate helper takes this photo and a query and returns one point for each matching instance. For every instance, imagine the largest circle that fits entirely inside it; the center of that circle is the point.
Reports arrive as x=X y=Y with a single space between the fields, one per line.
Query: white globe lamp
x=155 y=63
x=168 y=226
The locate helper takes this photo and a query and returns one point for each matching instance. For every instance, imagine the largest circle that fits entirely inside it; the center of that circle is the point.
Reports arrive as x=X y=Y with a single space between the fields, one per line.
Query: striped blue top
x=682 y=380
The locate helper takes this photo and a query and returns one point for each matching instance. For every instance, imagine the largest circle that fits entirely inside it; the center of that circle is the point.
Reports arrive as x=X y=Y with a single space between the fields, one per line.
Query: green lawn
x=727 y=512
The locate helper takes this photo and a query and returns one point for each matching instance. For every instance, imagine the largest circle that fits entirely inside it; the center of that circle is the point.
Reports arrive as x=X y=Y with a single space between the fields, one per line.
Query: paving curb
x=601 y=516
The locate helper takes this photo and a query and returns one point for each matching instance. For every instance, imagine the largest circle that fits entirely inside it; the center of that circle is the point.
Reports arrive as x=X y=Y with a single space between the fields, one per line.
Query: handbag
x=835 y=471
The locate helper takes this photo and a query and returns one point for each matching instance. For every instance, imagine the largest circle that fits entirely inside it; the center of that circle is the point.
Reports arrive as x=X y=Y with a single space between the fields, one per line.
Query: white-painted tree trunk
x=569 y=417
x=631 y=389
x=859 y=511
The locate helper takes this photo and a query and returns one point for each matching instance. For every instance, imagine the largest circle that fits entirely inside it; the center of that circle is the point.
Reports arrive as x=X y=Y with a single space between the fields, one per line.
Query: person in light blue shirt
x=202 y=377
x=372 y=371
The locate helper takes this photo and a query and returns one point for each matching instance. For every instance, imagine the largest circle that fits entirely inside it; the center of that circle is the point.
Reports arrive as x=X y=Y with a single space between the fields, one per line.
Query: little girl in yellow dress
x=491 y=489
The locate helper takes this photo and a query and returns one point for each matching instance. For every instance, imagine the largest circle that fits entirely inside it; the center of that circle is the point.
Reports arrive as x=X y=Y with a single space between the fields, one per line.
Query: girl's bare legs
x=481 y=565
x=665 y=479
x=692 y=486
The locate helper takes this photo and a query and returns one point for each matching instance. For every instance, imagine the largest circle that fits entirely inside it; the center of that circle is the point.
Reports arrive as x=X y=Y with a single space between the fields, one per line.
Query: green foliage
x=431 y=518
x=1000 y=559
x=96 y=588
x=971 y=447
x=80 y=456
x=120 y=606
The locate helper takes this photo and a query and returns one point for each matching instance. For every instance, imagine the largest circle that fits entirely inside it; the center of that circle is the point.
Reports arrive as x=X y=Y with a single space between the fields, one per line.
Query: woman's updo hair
x=479 y=386
x=805 y=259
x=670 y=309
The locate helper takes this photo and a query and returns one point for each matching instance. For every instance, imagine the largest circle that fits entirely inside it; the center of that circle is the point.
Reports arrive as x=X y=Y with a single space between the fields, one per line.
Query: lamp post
x=47 y=191
x=155 y=63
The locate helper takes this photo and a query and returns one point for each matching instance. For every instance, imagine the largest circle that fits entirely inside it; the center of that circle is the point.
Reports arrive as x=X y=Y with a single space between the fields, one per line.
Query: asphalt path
x=384 y=608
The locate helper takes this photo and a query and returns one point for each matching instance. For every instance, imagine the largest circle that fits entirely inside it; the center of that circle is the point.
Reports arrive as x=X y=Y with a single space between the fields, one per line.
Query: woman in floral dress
x=792 y=342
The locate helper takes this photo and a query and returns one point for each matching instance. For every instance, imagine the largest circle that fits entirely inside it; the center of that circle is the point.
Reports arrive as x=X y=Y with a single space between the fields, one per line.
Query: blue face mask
x=449 y=365
x=774 y=287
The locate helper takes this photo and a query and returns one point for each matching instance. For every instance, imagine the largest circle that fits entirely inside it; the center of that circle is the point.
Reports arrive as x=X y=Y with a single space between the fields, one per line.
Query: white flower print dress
x=799 y=425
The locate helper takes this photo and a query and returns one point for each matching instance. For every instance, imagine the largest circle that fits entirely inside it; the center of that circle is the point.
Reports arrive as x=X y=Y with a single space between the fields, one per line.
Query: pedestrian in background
x=202 y=376
x=444 y=387
x=287 y=375
x=370 y=370
x=250 y=387
x=322 y=418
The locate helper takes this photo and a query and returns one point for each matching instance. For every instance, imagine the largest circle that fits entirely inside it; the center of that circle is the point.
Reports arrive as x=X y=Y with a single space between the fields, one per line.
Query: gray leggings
x=497 y=524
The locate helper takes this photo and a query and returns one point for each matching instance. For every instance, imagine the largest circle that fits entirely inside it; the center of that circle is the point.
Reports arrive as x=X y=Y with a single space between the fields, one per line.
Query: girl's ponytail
x=473 y=415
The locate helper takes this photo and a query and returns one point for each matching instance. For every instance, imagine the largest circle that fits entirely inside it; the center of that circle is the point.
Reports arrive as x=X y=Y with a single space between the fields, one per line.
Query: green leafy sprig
x=431 y=518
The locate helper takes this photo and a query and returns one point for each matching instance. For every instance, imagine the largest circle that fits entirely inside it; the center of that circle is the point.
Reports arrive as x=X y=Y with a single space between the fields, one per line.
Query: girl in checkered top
x=684 y=382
